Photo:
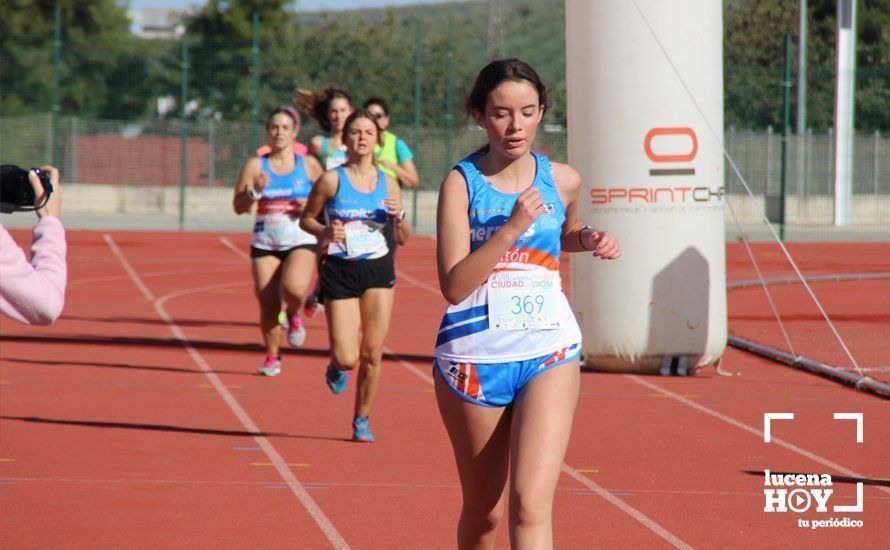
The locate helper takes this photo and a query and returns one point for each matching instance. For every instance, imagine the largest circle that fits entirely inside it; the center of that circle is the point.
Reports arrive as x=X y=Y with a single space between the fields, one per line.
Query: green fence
x=133 y=171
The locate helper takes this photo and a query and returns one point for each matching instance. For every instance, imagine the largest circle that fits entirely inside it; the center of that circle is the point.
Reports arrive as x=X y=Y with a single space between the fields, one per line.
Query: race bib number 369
x=520 y=300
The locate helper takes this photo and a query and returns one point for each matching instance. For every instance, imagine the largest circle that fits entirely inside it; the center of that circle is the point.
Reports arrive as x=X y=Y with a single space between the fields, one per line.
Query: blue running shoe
x=361 y=430
x=336 y=379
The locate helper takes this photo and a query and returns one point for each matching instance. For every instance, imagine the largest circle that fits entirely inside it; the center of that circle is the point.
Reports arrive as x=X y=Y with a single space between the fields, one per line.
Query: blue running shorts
x=498 y=384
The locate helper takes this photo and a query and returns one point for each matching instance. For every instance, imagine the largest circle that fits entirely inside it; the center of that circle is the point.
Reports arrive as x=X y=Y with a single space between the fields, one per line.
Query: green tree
x=221 y=55
x=753 y=58
x=104 y=70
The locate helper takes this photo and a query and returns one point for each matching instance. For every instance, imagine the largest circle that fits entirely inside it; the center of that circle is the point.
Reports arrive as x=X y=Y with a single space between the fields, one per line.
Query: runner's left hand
x=393 y=206
x=604 y=244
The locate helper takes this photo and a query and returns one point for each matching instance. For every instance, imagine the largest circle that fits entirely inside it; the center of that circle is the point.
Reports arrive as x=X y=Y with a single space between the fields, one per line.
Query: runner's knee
x=343 y=359
x=530 y=507
x=371 y=355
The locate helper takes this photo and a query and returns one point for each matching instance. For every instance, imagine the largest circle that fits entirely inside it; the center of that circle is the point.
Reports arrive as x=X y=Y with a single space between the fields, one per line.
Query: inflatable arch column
x=653 y=176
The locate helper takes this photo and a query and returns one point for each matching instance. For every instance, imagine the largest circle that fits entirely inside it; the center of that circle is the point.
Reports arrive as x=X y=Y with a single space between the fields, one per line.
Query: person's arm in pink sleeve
x=34 y=293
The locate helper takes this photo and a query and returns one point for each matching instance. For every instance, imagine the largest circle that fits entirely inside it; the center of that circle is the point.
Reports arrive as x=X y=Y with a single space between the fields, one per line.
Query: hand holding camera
x=50 y=197
x=37 y=189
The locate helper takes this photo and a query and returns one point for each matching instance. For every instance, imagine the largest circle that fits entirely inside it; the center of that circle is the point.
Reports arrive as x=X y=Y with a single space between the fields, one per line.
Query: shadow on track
x=128 y=341
x=164 y=428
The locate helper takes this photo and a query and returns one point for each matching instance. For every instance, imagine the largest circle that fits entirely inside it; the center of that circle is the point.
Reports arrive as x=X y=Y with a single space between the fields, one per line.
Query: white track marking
x=231 y=246
x=129 y=268
x=624 y=507
x=333 y=536
x=742 y=426
x=422 y=374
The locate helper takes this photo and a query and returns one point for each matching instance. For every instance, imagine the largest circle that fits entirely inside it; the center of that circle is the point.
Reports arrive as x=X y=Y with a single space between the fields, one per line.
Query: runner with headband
x=276 y=186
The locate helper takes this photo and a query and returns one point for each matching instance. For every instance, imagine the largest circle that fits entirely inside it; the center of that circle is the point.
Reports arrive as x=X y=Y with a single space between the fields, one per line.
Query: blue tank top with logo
x=465 y=334
x=364 y=216
x=277 y=224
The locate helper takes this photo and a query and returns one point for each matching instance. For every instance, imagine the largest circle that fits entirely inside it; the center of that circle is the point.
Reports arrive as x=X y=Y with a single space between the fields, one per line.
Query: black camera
x=16 y=192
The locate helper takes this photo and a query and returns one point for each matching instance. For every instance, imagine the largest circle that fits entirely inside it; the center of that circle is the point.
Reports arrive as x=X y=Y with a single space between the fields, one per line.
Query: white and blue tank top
x=277 y=225
x=364 y=216
x=465 y=334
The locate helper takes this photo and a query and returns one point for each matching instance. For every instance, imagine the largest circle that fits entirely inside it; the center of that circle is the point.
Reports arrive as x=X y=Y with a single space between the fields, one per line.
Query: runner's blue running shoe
x=336 y=379
x=361 y=430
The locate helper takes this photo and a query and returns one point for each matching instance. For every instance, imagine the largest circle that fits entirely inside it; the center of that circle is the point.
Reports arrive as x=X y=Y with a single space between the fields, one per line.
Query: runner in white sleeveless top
x=358 y=201
x=506 y=360
x=276 y=187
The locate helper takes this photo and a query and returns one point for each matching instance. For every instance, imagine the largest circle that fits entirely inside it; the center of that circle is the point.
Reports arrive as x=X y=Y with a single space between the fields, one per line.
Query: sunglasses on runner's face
x=378 y=116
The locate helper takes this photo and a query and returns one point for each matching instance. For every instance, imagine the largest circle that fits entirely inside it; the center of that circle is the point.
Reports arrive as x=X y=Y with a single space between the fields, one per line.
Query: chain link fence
x=133 y=171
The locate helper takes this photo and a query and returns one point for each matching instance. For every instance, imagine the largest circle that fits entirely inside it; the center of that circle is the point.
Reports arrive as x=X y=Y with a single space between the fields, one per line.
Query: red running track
x=136 y=421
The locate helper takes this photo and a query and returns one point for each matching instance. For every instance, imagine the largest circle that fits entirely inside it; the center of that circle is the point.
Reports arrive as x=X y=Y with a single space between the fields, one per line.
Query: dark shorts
x=341 y=279
x=280 y=254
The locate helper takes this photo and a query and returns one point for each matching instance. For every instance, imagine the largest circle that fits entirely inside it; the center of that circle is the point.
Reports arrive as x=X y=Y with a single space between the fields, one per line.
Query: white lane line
x=129 y=268
x=742 y=426
x=624 y=507
x=578 y=476
x=229 y=244
x=333 y=536
x=424 y=375
x=419 y=284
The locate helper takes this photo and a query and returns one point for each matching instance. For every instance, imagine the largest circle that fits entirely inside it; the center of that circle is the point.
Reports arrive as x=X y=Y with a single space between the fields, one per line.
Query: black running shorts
x=341 y=279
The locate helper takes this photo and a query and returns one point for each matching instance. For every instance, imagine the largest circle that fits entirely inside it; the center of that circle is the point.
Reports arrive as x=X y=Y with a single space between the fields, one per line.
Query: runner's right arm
x=460 y=271
x=249 y=180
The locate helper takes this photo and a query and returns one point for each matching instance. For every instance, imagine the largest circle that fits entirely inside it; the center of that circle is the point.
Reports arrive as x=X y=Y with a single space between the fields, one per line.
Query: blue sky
x=302 y=5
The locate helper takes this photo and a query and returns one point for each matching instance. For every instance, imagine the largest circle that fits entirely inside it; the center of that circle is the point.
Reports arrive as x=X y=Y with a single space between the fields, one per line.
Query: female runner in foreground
x=506 y=366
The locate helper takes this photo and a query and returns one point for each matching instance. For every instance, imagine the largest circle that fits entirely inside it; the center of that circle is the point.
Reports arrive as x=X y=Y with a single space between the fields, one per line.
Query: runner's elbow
x=452 y=295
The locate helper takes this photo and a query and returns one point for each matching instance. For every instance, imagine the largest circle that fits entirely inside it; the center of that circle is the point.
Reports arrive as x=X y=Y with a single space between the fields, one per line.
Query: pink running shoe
x=296 y=332
x=311 y=306
x=271 y=366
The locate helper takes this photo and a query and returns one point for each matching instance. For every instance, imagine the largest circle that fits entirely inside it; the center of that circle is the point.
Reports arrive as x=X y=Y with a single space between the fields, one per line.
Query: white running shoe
x=296 y=332
x=271 y=367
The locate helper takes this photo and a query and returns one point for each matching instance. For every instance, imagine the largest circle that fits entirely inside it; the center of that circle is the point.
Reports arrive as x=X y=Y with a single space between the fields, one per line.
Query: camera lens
x=15 y=189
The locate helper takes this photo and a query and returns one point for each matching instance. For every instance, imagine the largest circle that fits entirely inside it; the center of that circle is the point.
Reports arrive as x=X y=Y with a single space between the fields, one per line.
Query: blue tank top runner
x=364 y=216
x=278 y=209
x=467 y=333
